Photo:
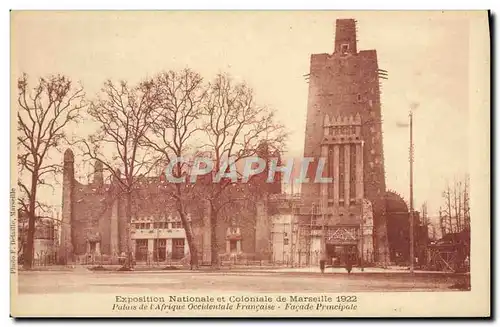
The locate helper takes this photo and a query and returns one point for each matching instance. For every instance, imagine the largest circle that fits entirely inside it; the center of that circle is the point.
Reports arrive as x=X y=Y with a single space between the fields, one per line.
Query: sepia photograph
x=250 y=163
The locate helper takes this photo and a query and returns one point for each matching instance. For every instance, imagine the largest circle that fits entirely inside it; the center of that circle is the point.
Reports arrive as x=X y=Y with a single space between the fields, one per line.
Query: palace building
x=95 y=225
x=344 y=220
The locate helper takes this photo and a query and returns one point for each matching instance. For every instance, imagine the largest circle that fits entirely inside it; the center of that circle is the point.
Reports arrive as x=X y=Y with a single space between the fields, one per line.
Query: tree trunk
x=193 y=252
x=190 y=239
x=129 y=246
x=455 y=202
x=442 y=224
x=29 y=253
x=460 y=220
x=214 y=245
x=448 y=195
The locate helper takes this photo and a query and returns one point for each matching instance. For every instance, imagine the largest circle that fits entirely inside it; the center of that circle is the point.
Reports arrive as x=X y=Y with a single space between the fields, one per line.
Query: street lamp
x=362 y=226
x=362 y=223
x=412 y=234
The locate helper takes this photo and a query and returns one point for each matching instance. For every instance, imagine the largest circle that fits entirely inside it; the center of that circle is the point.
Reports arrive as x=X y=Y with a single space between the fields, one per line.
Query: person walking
x=348 y=264
x=322 y=264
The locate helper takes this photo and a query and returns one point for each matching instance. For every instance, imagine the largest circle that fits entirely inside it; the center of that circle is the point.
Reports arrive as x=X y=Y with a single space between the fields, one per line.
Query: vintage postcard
x=250 y=164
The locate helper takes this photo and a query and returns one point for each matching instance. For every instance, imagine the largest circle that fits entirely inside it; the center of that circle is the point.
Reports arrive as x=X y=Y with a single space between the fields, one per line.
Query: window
x=142 y=226
x=285 y=241
x=359 y=97
x=176 y=224
x=344 y=48
x=178 y=242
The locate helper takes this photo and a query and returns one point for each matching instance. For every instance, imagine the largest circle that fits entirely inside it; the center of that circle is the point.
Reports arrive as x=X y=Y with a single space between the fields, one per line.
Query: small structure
x=45 y=242
x=398 y=228
x=451 y=253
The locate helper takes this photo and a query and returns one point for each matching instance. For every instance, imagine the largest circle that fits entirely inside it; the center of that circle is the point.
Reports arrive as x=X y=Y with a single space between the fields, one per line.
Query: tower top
x=345 y=36
x=98 y=172
x=68 y=156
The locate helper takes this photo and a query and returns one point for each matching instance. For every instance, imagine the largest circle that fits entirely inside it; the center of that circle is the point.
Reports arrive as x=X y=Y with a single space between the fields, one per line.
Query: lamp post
x=412 y=241
x=361 y=227
x=362 y=223
x=323 y=231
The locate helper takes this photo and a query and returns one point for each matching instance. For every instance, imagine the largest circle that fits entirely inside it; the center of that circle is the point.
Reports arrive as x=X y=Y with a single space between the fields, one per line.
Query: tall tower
x=344 y=103
x=66 y=245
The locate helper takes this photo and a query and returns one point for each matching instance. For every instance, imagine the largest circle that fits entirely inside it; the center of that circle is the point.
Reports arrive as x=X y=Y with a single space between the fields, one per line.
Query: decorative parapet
x=341 y=129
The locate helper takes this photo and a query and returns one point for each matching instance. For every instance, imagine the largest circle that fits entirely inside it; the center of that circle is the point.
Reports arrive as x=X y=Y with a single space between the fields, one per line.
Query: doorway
x=160 y=249
x=341 y=254
x=233 y=246
x=92 y=246
x=177 y=248
x=141 y=250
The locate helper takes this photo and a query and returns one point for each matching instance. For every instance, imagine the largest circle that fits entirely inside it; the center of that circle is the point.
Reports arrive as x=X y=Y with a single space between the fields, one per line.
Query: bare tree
x=442 y=222
x=122 y=113
x=178 y=99
x=447 y=211
x=466 y=205
x=425 y=218
x=457 y=205
x=44 y=113
x=235 y=127
x=456 y=213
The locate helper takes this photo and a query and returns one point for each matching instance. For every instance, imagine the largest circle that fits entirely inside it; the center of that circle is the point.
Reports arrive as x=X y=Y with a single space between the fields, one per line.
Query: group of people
x=347 y=264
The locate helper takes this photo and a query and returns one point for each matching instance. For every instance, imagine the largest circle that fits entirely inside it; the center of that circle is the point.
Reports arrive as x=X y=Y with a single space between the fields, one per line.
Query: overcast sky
x=426 y=56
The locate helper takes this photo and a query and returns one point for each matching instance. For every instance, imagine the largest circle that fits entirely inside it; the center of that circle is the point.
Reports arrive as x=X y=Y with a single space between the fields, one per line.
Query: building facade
x=344 y=127
x=343 y=220
x=96 y=226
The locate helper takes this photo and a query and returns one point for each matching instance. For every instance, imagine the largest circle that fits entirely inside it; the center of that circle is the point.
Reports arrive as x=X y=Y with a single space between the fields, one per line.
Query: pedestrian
x=348 y=265
x=322 y=263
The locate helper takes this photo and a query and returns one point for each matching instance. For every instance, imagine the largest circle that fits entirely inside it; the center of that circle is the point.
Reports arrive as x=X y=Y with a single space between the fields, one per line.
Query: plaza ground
x=301 y=280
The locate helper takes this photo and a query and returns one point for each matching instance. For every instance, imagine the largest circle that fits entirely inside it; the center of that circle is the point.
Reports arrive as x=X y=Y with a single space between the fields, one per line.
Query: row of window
x=161 y=242
x=159 y=225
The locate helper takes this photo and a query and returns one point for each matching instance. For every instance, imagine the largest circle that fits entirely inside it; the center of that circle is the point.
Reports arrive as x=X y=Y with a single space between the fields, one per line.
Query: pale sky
x=426 y=56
